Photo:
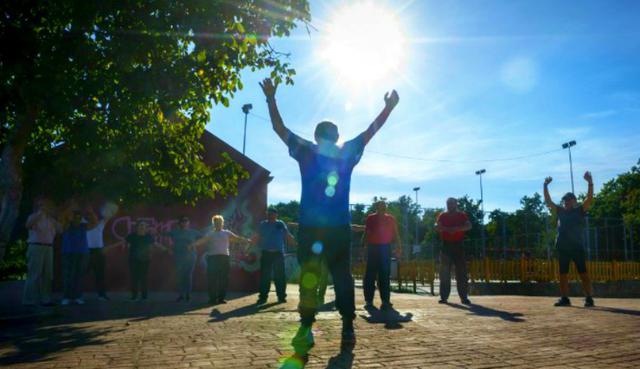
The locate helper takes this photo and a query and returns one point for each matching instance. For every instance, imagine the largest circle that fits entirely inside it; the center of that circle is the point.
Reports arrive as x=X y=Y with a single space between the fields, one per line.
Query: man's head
x=272 y=214
x=452 y=204
x=218 y=222
x=184 y=222
x=141 y=227
x=381 y=206
x=569 y=200
x=326 y=131
x=77 y=218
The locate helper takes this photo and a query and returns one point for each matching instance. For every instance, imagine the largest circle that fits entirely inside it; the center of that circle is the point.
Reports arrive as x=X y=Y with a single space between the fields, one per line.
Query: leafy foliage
x=127 y=87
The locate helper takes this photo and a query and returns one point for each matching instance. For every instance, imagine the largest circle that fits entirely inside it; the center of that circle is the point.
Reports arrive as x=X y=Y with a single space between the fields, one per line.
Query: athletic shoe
x=180 y=298
x=261 y=302
x=103 y=298
x=563 y=301
x=465 y=301
x=282 y=300
x=303 y=341
x=222 y=301
x=588 y=302
x=65 y=302
x=79 y=301
x=442 y=301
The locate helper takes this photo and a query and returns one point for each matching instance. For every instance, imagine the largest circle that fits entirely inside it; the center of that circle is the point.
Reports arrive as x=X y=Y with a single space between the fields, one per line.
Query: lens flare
x=309 y=280
x=317 y=247
x=330 y=191
x=332 y=178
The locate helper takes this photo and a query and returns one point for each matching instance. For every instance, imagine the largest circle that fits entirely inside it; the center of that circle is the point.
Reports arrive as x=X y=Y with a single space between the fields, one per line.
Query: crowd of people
x=323 y=242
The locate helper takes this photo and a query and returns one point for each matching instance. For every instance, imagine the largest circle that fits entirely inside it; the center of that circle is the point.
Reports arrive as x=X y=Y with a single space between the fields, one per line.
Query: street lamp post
x=416 y=189
x=568 y=145
x=480 y=173
x=245 y=109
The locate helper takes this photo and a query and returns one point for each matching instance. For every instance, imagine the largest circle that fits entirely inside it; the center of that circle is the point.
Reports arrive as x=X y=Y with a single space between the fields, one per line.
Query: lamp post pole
x=245 y=109
x=480 y=173
x=568 y=145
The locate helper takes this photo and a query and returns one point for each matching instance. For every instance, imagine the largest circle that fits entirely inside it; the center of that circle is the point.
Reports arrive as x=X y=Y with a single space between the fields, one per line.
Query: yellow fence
x=410 y=273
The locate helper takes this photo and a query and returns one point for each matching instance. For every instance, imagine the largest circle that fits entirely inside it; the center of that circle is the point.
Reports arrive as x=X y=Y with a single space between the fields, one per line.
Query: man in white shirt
x=95 y=240
x=42 y=227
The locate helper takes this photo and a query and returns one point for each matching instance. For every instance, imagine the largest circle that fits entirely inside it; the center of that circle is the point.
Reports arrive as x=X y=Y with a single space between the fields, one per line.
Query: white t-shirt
x=95 y=238
x=218 y=242
x=44 y=231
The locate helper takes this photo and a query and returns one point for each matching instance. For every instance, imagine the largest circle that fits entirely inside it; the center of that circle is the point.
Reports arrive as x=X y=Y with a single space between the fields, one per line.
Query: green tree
x=288 y=211
x=118 y=92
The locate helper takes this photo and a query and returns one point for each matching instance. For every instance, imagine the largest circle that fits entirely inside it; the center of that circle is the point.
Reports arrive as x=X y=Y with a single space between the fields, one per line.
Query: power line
x=520 y=157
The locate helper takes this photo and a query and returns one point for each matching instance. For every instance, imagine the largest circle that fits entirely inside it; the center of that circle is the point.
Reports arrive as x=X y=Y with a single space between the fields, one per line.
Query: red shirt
x=456 y=219
x=380 y=229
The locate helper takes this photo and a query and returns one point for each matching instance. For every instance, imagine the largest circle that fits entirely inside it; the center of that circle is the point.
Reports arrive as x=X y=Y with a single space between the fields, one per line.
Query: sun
x=363 y=43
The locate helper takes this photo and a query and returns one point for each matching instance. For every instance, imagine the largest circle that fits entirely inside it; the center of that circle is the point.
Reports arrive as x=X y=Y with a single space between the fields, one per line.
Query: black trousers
x=272 y=267
x=333 y=246
x=139 y=271
x=96 y=264
x=218 y=276
x=453 y=254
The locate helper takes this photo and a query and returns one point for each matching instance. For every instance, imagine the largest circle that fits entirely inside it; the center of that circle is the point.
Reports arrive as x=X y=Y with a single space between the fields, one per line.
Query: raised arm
x=390 y=102
x=547 y=198
x=587 y=202
x=269 y=90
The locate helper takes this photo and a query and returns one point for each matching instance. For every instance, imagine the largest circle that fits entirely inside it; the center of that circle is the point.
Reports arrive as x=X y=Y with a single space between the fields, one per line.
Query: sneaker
x=261 y=301
x=588 y=302
x=465 y=301
x=303 y=341
x=79 y=301
x=282 y=300
x=348 y=334
x=222 y=301
x=187 y=298
x=563 y=301
x=442 y=301
x=65 y=302
x=180 y=298
x=386 y=306
x=103 y=298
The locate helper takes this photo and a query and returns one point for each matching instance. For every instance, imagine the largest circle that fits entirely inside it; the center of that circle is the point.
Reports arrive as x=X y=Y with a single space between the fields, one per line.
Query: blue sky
x=478 y=81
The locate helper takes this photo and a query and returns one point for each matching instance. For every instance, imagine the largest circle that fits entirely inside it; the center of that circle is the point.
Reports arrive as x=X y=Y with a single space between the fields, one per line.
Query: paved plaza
x=494 y=332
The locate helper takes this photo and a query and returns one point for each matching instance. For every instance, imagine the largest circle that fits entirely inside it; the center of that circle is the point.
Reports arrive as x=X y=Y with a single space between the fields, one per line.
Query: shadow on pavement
x=612 y=310
x=391 y=318
x=489 y=312
x=35 y=334
x=218 y=316
x=34 y=344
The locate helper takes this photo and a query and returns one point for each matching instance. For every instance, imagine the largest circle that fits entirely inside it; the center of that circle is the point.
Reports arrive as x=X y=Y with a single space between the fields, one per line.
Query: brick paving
x=495 y=332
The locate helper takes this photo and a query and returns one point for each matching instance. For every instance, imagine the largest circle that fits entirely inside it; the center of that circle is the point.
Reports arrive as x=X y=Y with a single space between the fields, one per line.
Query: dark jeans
x=335 y=249
x=324 y=280
x=72 y=271
x=453 y=254
x=378 y=267
x=272 y=265
x=185 y=264
x=96 y=264
x=138 y=270
x=218 y=275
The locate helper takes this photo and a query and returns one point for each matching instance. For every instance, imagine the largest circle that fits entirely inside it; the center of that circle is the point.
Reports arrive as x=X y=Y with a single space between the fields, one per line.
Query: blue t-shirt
x=74 y=240
x=182 y=238
x=272 y=235
x=326 y=179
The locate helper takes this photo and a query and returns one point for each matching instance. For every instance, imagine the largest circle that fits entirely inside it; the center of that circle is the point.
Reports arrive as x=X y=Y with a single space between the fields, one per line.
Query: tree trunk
x=11 y=186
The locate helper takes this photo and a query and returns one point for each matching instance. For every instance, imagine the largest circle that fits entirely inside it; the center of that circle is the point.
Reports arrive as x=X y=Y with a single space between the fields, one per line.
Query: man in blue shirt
x=271 y=238
x=324 y=225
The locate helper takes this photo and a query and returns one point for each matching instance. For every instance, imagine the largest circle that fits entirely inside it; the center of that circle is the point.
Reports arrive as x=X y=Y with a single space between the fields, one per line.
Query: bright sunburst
x=363 y=42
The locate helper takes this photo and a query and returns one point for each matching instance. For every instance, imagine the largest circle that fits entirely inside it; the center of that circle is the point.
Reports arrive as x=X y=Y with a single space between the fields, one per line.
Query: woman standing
x=217 y=242
x=139 y=243
x=185 y=256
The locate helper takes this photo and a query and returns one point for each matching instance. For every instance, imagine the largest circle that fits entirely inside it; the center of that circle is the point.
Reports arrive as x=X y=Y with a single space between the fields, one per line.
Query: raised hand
x=268 y=87
x=390 y=101
x=587 y=177
x=547 y=180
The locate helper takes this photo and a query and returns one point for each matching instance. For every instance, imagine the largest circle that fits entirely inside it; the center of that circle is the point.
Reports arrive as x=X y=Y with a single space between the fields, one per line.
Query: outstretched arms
x=390 y=102
x=547 y=198
x=587 y=202
x=269 y=90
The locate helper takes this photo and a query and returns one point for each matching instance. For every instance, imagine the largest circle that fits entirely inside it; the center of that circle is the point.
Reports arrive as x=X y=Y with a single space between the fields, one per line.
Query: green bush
x=14 y=265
